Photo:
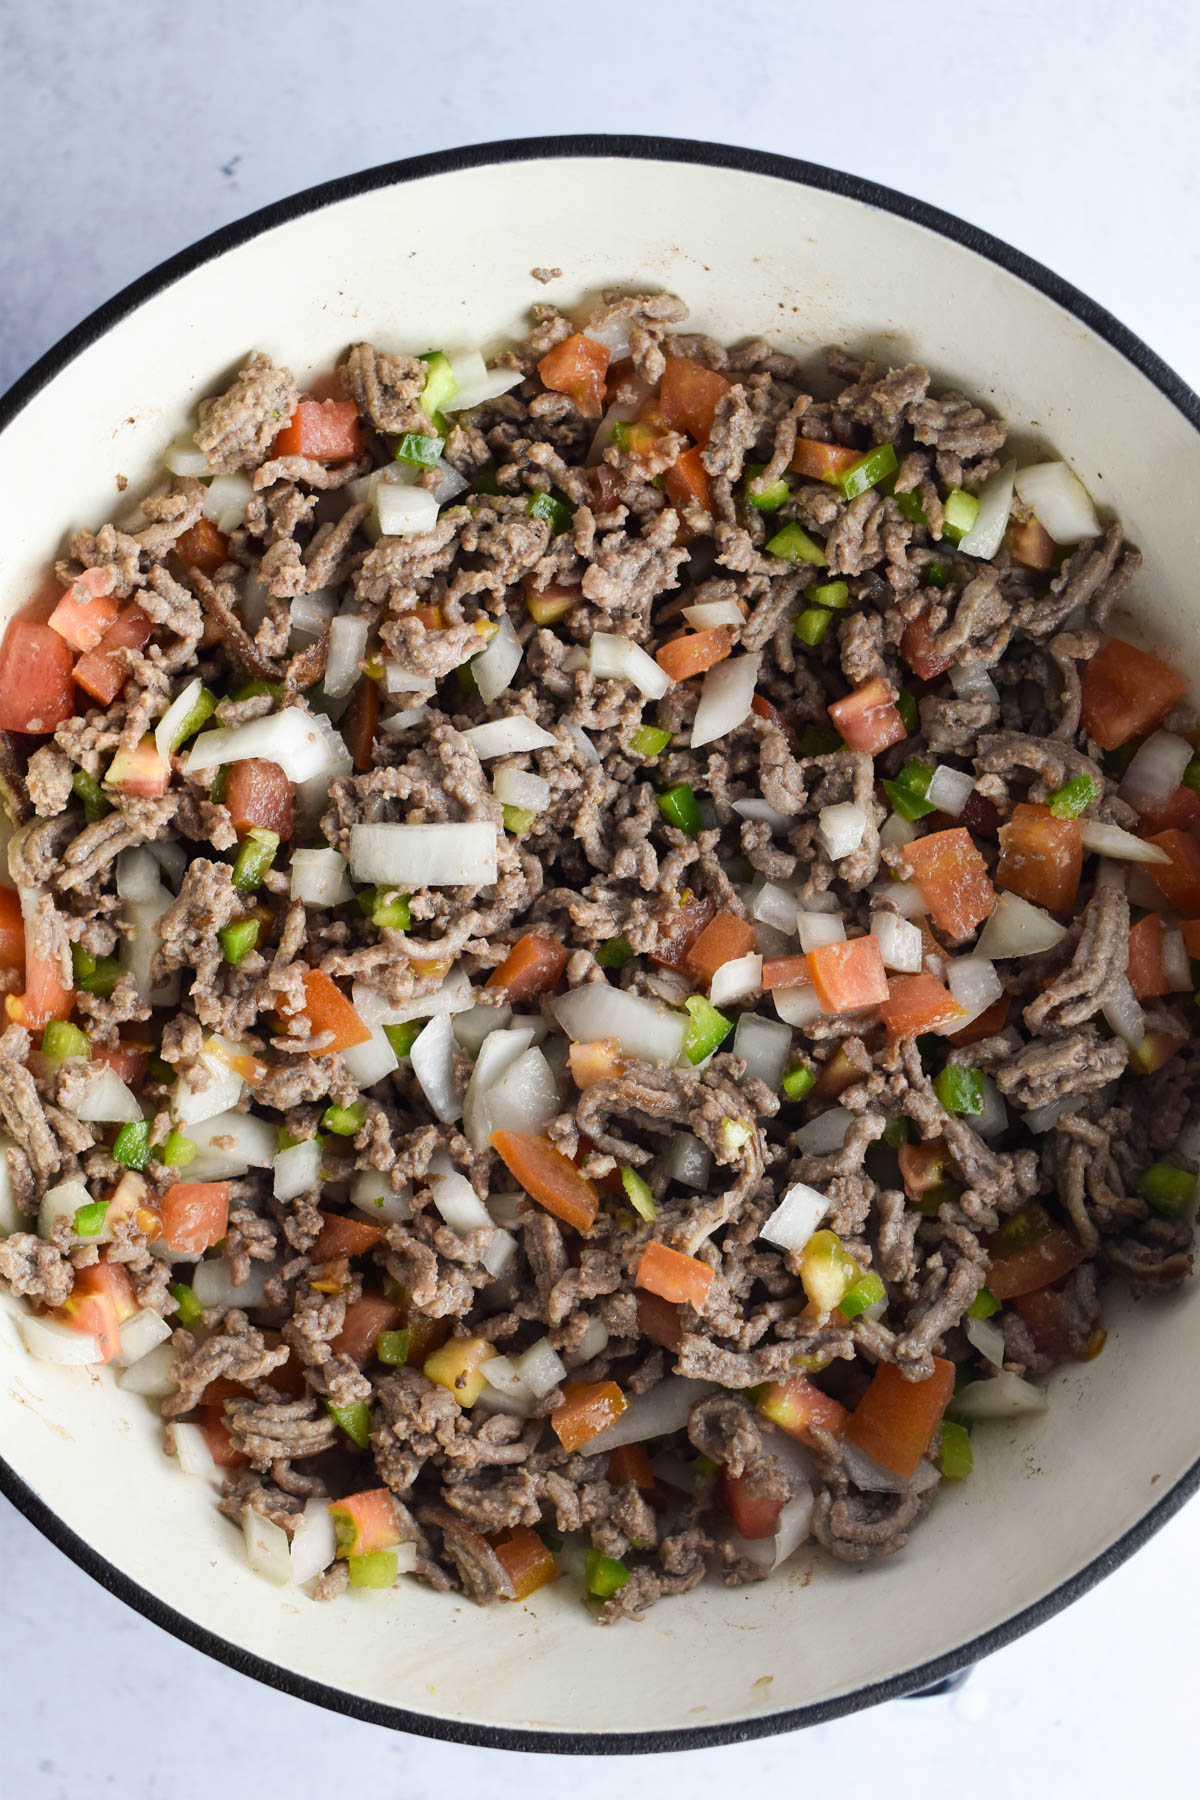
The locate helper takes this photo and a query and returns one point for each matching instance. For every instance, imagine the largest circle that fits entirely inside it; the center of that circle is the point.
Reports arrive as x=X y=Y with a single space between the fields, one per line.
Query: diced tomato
x=343 y=1236
x=953 y=879
x=325 y=431
x=687 y=482
x=577 y=367
x=659 y=1320
x=1124 y=691
x=129 y=1061
x=45 y=997
x=689 y=396
x=365 y=1319
x=606 y=485
x=694 y=652
x=360 y=722
x=823 y=462
x=424 y=1337
x=366 y=1522
x=533 y=966
x=630 y=1463
x=895 y=1420
x=922 y=1167
x=1046 y=1260
x=588 y=1408
x=431 y=616
x=195 y=1215
x=101 y=1299
x=202 y=547
x=1051 y=1324
x=988 y=1024
x=679 y=931
x=140 y=771
x=220 y=1443
x=101 y=673
x=839 y=1073
x=1030 y=543
x=1180 y=810
x=86 y=610
x=1041 y=858
x=916 y=1004
x=1147 y=977
x=673 y=1276
x=1156 y=1050
x=752 y=1516
x=36 y=689
x=1191 y=936
x=765 y=710
x=527 y=1562
x=848 y=975
x=548 y=1177
x=796 y=1406
x=724 y=939
x=867 y=718
x=599 y=1061
x=12 y=931
x=916 y=647
x=786 y=972
x=1180 y=878
x=258 y=796
x=327 y=1010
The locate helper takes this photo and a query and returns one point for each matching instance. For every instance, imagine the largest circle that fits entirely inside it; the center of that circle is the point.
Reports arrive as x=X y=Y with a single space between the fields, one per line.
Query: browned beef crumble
x=599 y=868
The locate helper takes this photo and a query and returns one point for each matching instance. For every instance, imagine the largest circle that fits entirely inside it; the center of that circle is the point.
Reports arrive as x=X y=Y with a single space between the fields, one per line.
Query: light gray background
x=126 y=131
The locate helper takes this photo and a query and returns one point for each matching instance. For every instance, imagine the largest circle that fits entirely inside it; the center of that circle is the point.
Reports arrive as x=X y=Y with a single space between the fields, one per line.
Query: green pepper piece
x=425 y=452
x=1073 y=797
x=198 y=714
x=771 y=498
x=255 y=856
x=376 y=1570
x=250 y=690
x=391 y=914
x=983 y=1305
x=679 y=807
x=354 y=1419
x=1168 y=1189
x=94 y=974
x=912 y=509
x=906 y=706
x=403 y=1037
x=190 y=1310
x=704 y=1465
x=834 y=594
x=649 y=740
x=89 y=1219
x=160 y=1070
x=615 y=952
x=955 y=1459
x=794 y=545
x=518 y=819
x=960 y=1090
x=907 y=792
x=556 y=512
x=605 y=1575
x=868 y=470
x=939 y=574
x=440 y=385
x=132 y=1145
x=799 y=1082
x=811 y=625
x=1021 y=1229
x=345 y=1121
x=708 y=1028
x=61 y=1039
x=820 y=740
x=960 y=511
x=237 y=940
x=96 y=804
x=638 y=1190
x=178 y=1151
x=866 y=1291
x=392 y=1347
x=895 y=1133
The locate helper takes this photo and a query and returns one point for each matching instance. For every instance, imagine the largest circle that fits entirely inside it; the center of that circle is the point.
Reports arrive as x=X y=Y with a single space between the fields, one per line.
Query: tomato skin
x=577 y=367
x=689 y=396
x=36 y=688
x=361 y=721
x=799 y=1408
x=325 y=431
x=1181 y=810
x=1144 y=966
x=327 y=1010
x=86 y=610
x=988 y=1024
x=867 y=718
x=258 y=795
x=527 y=1562
x=679 y=932
x=723 y=939
x=365 y=1522
x=687 y=482
x=220 y=1443
x=1046 y=1260
x=921 y=1167
x=752 y=1516
x=100 y=1300
x=12 y=931
x=630 y=1463
x=659 y=1320
x=45 y=997
x=1125 y=691
x=1041 y=858
x=129 y=1061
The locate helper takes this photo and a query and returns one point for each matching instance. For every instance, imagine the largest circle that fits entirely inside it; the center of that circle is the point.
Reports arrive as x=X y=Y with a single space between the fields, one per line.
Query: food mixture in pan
x=598 y=967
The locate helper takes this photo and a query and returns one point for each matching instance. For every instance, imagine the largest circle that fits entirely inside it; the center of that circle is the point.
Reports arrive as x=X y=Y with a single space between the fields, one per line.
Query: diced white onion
x=432 y=1057
x=797 y=1216
x=314 y=1542
x=972 y=679
x=171 y=860
x=827 y=1132
x=500 y=1254
x=594 y=1342
x=580 y=737
x=642 y=1028
x=454 y=996
x=986 y=1336
x=1155 y=771
x=184 y=458
x=726 y=698
x=896 y=831
x=454 y=1196
x=613 y=333
x=415 y=856
x=140 y=1334
x=1017 y=928
x=138 y=876
x=449 y=484
x=524 y=1097
x=714 y=612
x=1042 y=1118
x=192 y=1105
x=213 y=1283
x=374 y=1195
x=152 y=1375
x=515 y=787
x=509 y=1210
x=1111 y=840
x=1060 y=501
x=1176 y=965
x=900 y=942
x=500 y=1372
x=1124 y=1014
x=165 y=730
x=291 y=738
x=840 y=829
x=775 y=906
x=540 y=1368
x=905 y=896
x=397 y=722
x=615 y=658
x=497 y=1052
x=736 y=979
x=107 y=1098
x=761 y=810
x=476 y=382
x=318 y=877
x=267 y=1548
x=471 y=1027
x=975 y=985
x=369 y=1062
x=404 y=511
x=51 y=1342
x=347 y=648
x=508 y=737
x=797 y=1006
x=817 y=929
x=297 y=1170
x=226 y=499
x=1003 y=1396
x=665 y=1408
x=949 y=789
x=228 y=1144
x=763 y=1045
x=994 y=1118
x=192 y=1452
x=495 y=668
x=873 y=1478
x=991 y=521
x=399 y=680
x=688 y=1161
x=311 y=613
x=60 y=1202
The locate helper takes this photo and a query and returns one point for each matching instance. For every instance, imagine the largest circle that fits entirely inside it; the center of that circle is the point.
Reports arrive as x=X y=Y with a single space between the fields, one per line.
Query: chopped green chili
x=159 y=1069
x=377 y=1570
x=203 y=708
x=649 y=740
x=606 y=1575
x=254 y=858
x=835 y=594
x=132 y=1144
x=868 y=470
x=237 y=940
x=939 y=574
x=403 y=1037
x=440 y=385
x=771 y=498
x=1191 y=775
x=89 y=1219
x=704 y=1465
x=178 y=1151
x=960 y=511
x=216 y=792
x=637 y=1189
x=866 y=1291
x=955 y=1459
x=911 y=508
x=556 y=512
x=799 y=1082
x=679 y=807
x=794 y=545
x=252 y=690
x=622 y=435
x=907 y=792
x=96 y=804
x=1073 y=797
x=190 y=1310
x=615 y=952
x=425 y=452
x=345 y=1121
x=708 y=1028
x=517 y=819
x=94 y=974
x=391 y=913
x=811 y=625
x=1021 y=1229
x=819 y=740
x=983 y=1305
x=61 y=1039
x=960 y=1090
x=392 y=1347
x=895 y=1133
x=355 y=1420
x=1168 y=1189
x=906 y=706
